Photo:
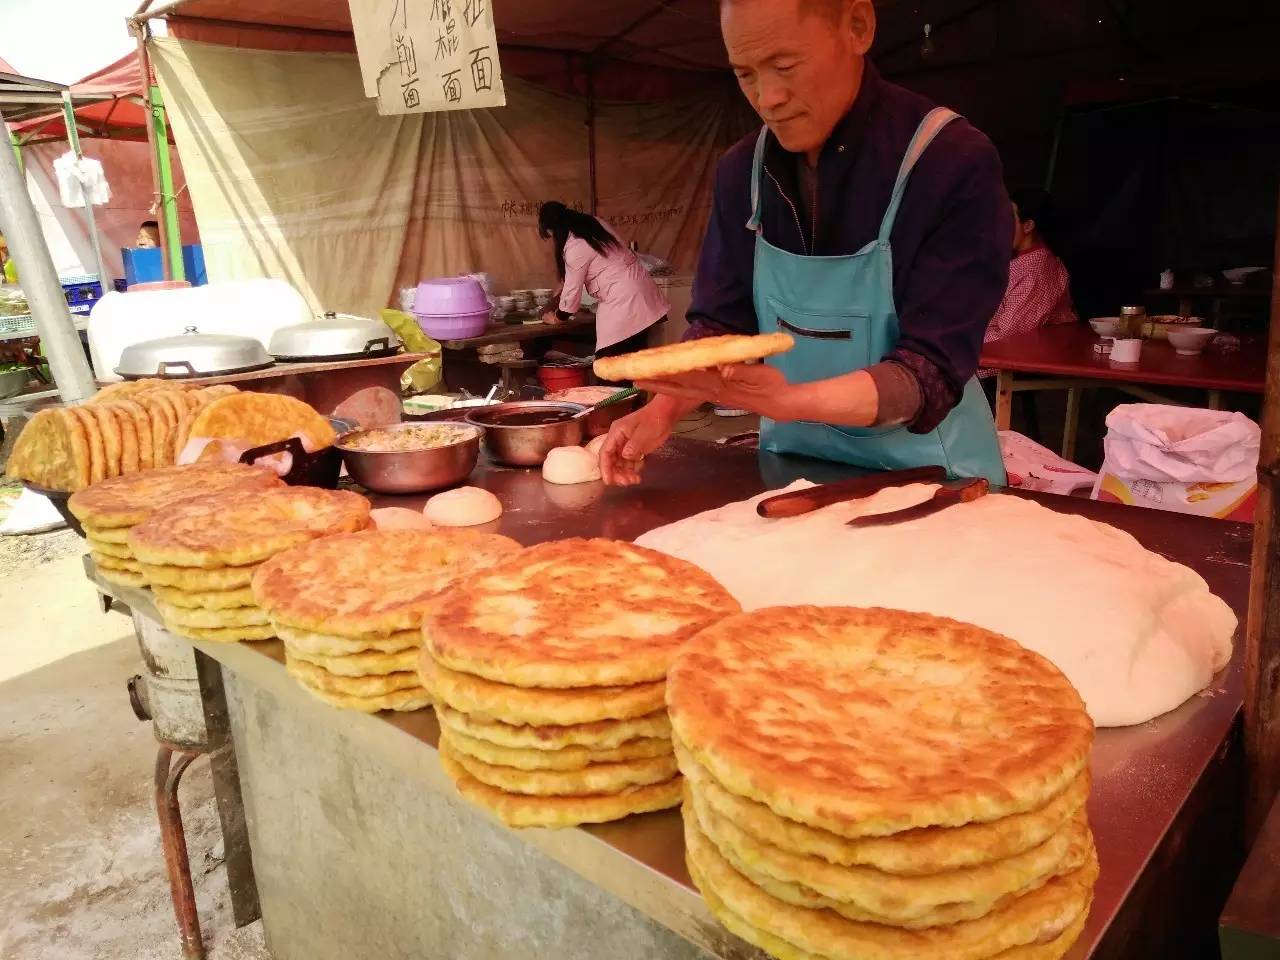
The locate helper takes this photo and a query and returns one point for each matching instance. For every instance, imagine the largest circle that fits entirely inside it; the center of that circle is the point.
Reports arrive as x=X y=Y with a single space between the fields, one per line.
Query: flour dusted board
x=421 y=56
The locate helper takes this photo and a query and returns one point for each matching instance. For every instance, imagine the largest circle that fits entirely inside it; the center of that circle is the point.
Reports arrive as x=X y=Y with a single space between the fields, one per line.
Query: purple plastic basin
x=449 y=296
x=453 y=326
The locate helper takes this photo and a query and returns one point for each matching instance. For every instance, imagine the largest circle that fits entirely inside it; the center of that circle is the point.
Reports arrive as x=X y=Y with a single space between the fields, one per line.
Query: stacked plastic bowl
x=451 y=308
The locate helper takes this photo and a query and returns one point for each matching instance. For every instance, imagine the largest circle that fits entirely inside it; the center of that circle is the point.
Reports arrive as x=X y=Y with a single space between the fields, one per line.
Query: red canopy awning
x=116 y=109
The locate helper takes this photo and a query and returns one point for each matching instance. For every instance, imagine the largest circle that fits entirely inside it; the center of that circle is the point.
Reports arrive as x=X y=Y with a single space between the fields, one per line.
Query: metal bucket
x=169 y=692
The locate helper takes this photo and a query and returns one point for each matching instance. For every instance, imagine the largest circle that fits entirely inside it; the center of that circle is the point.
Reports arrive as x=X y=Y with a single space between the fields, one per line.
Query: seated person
x=148 y=235
x=1039 y=291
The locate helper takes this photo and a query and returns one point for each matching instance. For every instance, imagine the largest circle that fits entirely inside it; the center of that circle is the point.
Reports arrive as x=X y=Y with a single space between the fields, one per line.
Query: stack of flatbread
x=125 y=428
x=873 y=783
x=190 y=552
x=349 y=609
x=108 y=510
x=549 y=672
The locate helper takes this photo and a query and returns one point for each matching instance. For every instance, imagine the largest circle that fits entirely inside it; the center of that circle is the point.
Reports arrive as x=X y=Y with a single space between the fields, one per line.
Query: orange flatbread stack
x=874 y=783
x=228 y=535
x=124 y=429
x=349 y=609
x=548 y=672
x=108 y=510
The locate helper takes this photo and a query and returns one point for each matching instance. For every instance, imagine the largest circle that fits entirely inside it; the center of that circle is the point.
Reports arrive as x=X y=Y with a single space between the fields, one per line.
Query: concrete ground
x=83 y=875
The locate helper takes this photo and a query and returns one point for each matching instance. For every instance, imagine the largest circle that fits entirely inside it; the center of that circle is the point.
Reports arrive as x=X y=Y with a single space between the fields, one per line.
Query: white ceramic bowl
x=1105 y=326
x=1191 y=341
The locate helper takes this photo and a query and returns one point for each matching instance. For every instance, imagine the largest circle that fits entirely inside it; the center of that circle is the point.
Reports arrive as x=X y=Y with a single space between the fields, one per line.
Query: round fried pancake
x=880 y=897
x=129 y=462
x=141 y=428
x=537 y=705
x=327 y=645
x=867 y=722
x=260 y=418
x=401 y=701
x=597 y=778
x=205 y=599
x=235 y=528
x=200 y=617
x=370 y=663
x=690 y=355
x=124 y=578
x=117 y=535
x=602 y=735
x=198 y=580
x=775 y=946
x=309 y=675
x=519 y=810
x=93 y=435
x=107 y=562
x=375 y=582
x=566 y=758
x=129 y=500
x=911 y=852
x=1038 y=917
x=223 y=634
x=575 y=613
x=109 y=431
x=119 y=550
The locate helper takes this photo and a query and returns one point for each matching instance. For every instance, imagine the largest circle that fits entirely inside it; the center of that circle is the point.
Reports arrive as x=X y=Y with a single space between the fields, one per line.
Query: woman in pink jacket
x=591 y=257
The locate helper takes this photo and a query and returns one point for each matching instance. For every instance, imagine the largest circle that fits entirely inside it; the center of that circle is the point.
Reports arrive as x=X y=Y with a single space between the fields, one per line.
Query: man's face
x=799 y=67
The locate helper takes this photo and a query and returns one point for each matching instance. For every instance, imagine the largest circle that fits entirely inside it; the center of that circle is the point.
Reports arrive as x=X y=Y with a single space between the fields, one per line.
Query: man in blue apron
x=871 y=226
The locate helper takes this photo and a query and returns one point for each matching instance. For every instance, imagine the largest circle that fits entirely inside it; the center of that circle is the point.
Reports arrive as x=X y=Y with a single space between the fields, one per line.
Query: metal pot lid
x=192 y=354
x=334 y=335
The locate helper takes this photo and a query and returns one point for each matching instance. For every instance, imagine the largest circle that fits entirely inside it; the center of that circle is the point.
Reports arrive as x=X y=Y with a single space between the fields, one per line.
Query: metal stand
x=173 y=839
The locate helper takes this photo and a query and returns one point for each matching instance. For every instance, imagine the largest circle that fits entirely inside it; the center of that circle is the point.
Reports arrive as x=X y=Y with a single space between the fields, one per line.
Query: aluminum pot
x=411 y=471
x=192 y=354
x=526 y=445
x=335 y=336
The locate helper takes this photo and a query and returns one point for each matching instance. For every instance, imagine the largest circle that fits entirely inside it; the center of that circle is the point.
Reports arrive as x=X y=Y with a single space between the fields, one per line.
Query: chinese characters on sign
x=435 y=54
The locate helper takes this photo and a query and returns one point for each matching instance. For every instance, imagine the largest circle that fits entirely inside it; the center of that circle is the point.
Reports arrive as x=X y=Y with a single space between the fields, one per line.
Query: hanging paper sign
x=420 y=56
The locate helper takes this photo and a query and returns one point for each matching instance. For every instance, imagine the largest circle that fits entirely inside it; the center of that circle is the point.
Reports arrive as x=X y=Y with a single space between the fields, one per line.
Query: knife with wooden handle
x=797 y=502
x=947 y=495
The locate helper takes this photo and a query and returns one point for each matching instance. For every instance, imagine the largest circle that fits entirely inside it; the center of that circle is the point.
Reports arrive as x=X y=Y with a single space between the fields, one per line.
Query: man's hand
x=756 y=387
x=633 y=437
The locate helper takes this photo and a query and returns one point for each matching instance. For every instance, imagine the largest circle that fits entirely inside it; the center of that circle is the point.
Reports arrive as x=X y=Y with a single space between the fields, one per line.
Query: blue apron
x=841 y=312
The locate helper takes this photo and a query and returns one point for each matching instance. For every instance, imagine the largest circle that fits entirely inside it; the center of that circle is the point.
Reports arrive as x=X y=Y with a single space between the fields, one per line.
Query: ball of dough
x=399 y=518
x=463 y=507
x=570 y=465
x=594 y=446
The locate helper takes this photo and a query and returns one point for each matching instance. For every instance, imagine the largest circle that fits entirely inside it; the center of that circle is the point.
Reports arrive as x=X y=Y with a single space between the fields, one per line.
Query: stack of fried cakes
x=200 y=555
x=874 y=783
x=549 y=672
x=108 y=510
x=349 y=609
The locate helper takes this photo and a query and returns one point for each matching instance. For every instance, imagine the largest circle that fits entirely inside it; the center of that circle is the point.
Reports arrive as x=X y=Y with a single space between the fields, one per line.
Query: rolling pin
x=814 y=498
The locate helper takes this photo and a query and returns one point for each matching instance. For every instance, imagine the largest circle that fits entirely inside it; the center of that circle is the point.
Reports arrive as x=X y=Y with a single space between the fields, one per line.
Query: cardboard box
x=1227 y=501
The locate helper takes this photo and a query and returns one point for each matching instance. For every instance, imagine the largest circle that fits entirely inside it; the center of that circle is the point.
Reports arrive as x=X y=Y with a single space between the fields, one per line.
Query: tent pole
x=591 y=135
x=17 y=149
x=167 y=241
x=1262 y=637
x=57 y=332
x=73 y=140
x=168 y=201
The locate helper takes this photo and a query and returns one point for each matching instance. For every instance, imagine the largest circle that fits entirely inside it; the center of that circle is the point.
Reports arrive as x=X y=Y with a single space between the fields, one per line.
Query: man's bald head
x=830 y=10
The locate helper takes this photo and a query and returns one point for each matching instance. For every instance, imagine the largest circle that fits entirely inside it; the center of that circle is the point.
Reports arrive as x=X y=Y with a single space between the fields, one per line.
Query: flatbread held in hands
x=690 y=355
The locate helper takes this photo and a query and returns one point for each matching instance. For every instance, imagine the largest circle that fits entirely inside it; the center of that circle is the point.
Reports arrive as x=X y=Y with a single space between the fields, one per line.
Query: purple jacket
x=951 y=240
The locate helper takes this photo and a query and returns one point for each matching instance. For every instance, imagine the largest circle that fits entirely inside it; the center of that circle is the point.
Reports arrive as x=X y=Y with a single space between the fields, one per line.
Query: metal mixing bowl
x=412 y=471
x=526 y=445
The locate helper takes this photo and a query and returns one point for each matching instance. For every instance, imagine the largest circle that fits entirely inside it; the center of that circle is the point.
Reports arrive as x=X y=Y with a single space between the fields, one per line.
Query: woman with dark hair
x=590 y=257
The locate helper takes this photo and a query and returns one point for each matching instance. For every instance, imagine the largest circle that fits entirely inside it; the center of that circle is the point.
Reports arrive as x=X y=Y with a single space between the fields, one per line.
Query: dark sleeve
x=721 y=297
x=959 y=273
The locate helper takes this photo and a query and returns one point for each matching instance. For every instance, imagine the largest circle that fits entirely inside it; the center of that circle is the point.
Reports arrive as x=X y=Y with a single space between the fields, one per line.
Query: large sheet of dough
x=1135 y=633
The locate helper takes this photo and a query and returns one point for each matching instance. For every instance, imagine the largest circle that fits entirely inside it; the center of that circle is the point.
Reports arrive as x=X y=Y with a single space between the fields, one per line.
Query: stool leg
x=174 y=842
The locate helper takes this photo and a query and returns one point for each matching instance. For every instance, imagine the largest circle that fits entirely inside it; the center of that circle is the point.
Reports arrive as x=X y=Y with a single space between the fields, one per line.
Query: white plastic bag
x=76 y=176
x=1167 y=444
x=1031 y=466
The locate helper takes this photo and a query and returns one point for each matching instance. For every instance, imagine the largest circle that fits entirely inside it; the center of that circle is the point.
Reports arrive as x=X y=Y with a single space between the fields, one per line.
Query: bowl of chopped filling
x=410 y=457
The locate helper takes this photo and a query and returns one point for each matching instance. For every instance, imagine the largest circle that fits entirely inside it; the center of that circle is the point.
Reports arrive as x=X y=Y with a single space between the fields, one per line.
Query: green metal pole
x=168 y=202
x=17 y=151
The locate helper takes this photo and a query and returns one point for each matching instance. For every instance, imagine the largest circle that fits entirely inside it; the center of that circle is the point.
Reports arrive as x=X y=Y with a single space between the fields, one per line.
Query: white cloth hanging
x=78 y=176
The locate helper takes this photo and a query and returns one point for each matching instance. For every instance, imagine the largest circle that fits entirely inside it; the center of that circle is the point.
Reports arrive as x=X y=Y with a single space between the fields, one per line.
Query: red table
x=1064 y=359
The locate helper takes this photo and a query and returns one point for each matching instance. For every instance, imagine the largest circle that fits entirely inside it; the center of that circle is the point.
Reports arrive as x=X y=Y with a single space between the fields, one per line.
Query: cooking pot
x=335 y=336
x=192 y=354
